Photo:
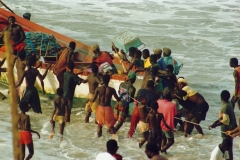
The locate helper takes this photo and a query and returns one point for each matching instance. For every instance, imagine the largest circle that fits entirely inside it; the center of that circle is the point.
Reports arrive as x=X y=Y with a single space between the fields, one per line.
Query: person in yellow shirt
x=146 y=56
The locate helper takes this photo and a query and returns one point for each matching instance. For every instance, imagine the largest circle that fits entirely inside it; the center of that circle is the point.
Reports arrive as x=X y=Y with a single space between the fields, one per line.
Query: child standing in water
x=143 y=112
x=25 y=136
x=154 y=120
x=59 y=112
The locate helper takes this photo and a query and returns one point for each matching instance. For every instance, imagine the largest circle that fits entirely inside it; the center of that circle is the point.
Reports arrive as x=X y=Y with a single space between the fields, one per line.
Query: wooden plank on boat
x=82 y=65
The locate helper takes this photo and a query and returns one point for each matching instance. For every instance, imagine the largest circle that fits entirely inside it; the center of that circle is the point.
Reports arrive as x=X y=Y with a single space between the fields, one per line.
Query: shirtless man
x=93 y=80
x=25 y=136
x=59 y=112
x=20 y=63
x=31 y=94
x=199 y=111
x=143 y=112
x=152 y=152
x=150 y=95
x=104 y=112
x=154 y=120
x=17 y=35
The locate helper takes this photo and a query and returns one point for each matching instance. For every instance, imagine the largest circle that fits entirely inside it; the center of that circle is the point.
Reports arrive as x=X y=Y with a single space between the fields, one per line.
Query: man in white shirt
x=220 y=151
x=111 y=153
x=105 y=156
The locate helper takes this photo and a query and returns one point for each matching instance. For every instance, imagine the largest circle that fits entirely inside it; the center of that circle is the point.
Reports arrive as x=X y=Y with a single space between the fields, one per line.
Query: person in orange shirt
x=236 y=74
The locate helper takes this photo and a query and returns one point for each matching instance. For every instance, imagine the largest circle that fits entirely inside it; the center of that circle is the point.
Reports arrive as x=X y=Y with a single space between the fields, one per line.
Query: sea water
x=203 y=35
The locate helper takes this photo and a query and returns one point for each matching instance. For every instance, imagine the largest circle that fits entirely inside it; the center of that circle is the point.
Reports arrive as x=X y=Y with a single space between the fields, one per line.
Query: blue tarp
x=38 y=42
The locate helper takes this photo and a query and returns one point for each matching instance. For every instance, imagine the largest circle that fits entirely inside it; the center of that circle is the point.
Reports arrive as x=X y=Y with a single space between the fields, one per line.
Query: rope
x=184 y=120
x=198 y=124
x=41 y=45
x=47 y=47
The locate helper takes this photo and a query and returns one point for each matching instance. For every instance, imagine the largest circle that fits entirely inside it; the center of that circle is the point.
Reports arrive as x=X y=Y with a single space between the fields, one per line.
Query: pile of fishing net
x=38 y=42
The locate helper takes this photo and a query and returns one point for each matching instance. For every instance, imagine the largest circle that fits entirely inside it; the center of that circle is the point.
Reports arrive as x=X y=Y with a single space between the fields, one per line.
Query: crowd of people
x=156 y=104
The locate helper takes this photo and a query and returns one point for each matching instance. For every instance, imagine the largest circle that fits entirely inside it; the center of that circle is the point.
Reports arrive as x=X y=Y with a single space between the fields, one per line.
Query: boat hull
x=84 y=54
x=51 y=83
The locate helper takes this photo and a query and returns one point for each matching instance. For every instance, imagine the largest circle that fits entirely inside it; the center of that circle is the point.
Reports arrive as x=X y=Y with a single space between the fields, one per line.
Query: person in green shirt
x=227 y=119
x=69 y=85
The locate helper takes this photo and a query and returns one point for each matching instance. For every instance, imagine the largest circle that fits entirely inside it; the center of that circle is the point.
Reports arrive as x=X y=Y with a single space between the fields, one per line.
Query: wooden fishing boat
x=84 y=55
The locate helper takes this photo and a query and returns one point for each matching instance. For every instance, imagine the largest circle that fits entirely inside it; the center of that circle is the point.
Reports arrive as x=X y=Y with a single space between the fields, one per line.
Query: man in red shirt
x=168 y=109
x=103 y=58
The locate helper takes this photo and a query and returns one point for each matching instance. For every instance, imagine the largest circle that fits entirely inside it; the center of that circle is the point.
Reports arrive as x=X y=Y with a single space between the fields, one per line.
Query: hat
x=157 y=51
x=182 y=80
x=167 y=51
x=95 y=47
x=131 y=75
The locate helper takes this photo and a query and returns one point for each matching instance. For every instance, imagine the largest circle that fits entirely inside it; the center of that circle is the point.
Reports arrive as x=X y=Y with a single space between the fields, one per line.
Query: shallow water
x=203 y=35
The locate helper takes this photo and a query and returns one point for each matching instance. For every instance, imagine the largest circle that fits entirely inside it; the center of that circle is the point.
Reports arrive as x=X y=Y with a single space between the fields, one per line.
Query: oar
x=6 y=6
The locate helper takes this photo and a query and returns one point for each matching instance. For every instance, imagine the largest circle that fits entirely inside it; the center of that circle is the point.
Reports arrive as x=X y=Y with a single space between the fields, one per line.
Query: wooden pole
x=13 y=95
x=6 y=6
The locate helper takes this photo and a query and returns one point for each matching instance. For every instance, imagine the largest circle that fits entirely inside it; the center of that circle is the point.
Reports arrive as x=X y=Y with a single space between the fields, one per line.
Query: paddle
x=6 y=6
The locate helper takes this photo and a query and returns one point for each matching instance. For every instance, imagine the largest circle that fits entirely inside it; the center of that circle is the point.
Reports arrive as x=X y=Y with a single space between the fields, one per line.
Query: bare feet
x=51 y=135
x=61 y=138
x=164 y=151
